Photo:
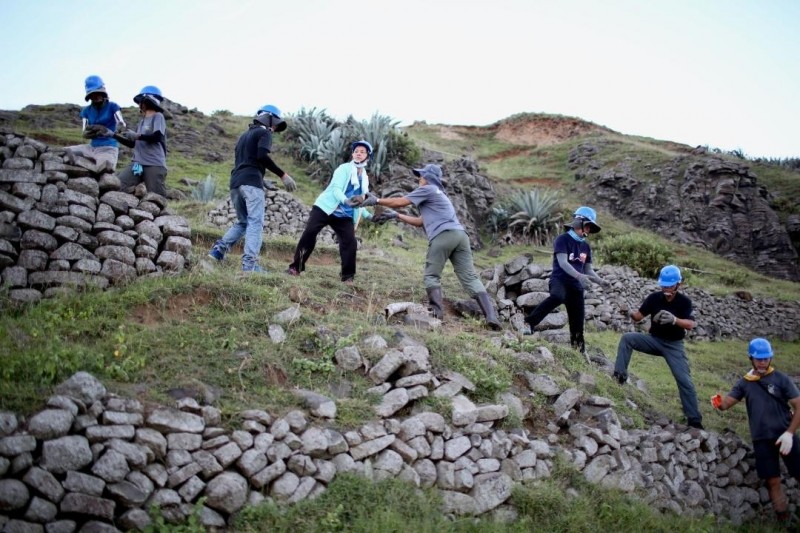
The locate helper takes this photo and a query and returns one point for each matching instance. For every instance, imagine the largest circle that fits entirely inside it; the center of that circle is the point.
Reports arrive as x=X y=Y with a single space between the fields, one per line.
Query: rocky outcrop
x=64 y=228
x=699 y=199
x=521 y=285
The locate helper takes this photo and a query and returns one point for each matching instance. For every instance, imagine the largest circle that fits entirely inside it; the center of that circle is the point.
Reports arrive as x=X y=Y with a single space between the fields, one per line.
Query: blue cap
x=432 y=174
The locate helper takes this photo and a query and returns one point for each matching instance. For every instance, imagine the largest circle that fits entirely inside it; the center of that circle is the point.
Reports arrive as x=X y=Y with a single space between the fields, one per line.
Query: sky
x=722 y=73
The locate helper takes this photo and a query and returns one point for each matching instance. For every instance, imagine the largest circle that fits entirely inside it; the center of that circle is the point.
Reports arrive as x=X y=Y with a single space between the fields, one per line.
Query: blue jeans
x=249 y=204
x=674 y=354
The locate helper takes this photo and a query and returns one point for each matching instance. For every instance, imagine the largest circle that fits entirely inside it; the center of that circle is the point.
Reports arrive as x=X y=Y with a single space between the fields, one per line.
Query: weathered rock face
x=521 y=285
x=62 y=227
x=699 y=200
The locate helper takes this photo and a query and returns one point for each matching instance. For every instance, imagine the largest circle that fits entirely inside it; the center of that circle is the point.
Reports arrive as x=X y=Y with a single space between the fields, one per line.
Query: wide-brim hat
x=101 y=90
x=432 y=174
x=151 y=99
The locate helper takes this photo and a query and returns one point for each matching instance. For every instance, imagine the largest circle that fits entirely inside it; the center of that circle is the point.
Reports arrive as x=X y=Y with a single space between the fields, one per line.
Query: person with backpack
x=773 y=410
x=247 y=187
x=149 y=143
x=100 y=121
x=572 y=274
x=671 y=317
x=334 y=208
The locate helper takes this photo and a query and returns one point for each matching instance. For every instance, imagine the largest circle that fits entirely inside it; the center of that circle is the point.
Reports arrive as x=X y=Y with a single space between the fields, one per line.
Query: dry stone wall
x=63 y=227
x=521 y=285
x=94 y=461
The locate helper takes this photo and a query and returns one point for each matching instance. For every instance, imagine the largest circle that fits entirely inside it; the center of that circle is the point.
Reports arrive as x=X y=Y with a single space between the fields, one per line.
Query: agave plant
x=536 y=215
x=331 y=151
x=205 y=190
x=377 y=131
x=314 y=129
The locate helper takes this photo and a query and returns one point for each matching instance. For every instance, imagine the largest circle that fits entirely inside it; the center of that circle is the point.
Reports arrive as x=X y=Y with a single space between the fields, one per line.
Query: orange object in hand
x=716 y=401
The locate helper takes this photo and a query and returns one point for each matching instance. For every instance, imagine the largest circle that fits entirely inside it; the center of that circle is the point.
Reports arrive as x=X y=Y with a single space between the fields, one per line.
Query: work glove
x=369 y=200
x=716 y=401
x=585 y=283
x=385 y=216
x=96 y=130
x=600 y=281
x=664 y=317
x=289 y=183
x=785 y=442
x=354 y=201
x=129 y=135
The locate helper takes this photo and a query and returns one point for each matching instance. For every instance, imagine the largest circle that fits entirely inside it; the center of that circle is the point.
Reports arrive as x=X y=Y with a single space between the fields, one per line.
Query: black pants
x=346 y=233
x=561 y=293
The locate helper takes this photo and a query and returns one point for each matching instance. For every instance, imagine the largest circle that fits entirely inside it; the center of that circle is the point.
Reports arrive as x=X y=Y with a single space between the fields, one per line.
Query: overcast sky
x=717 y=72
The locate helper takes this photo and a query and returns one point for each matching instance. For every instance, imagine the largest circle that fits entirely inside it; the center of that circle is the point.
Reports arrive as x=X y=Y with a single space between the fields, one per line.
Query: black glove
x=664 y=317
x=369 y=200
x=385 y=216
x=354 y=201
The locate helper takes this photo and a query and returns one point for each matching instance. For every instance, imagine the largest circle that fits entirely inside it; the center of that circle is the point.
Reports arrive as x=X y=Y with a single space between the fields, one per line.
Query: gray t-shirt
x=436 y=210
x=147 y=153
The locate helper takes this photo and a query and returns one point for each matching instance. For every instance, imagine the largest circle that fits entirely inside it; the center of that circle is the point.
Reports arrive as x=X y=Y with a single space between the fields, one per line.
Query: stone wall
x=520 y=285
x=64 y=227
x=92 y=459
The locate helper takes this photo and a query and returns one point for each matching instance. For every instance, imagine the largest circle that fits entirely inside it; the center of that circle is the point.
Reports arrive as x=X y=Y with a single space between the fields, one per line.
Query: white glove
x=288 y=183
x=785 y=442
x=664 y=317
x=585 y=283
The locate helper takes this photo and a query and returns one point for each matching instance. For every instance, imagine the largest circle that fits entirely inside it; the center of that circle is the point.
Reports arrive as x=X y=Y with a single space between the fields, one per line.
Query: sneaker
x=527 y=330
x=292 y=271
x=620 y=378
x=696 y=424
x=348 y=282
x=216 y=254
x=255 y=268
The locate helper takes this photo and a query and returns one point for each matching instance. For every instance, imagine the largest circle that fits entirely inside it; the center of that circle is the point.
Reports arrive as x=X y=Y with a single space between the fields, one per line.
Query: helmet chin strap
x=362 y=164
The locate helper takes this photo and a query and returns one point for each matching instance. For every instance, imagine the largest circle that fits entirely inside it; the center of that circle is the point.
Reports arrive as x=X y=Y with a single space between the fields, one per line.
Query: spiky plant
x=313 y=128
x=536 y=215
x=205 y=190
x=377 y=131
x=330 y=154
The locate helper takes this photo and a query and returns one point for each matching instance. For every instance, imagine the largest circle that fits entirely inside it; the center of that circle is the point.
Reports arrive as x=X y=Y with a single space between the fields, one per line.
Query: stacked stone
x=91 y=459
x=63 y=228
x=283 y=215
x=521 y=285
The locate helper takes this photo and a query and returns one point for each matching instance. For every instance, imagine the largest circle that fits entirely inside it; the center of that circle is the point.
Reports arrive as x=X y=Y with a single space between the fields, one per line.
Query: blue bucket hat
x=432 y=174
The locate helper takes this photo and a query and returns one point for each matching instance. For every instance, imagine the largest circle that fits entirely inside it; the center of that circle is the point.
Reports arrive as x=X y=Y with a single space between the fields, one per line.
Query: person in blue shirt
x=252 y=160
x=447 y=240
x=99 y=121
x=773 y=410
x=332 y=208
x=572 y=274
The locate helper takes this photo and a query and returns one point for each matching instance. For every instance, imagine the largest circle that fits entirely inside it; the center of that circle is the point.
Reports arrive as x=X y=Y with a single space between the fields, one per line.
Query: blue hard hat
x=670 y=275
x=270 y=116
x=152 y=95
x=94 y=84
x=363 y=143
x=760 y=349
x=584 y=216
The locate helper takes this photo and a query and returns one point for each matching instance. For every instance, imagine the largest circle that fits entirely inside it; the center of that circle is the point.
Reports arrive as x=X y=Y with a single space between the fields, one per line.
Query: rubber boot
x=577 y=342
x=488 y=311
x=435 y=302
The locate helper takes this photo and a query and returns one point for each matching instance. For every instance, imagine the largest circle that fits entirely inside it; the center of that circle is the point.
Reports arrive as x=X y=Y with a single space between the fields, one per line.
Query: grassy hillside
x=207 y=332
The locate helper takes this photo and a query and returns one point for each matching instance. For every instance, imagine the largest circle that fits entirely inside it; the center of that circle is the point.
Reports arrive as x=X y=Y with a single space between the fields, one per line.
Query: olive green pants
x=452 y=245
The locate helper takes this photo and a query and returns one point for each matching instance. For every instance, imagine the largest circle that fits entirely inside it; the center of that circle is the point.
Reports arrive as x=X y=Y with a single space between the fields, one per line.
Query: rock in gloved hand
x=369 y=200
x=96 y=130
x=355 y=201
x=385 y=216
x=129 y=135
x=585 y=283
x=664 y=317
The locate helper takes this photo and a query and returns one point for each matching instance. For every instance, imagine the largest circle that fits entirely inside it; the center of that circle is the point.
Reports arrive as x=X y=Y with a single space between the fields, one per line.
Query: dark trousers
x=561 y=293
x=345 y=232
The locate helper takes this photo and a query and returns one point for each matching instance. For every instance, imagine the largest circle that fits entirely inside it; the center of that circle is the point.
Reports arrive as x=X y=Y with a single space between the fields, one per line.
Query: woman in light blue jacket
x=332 y=208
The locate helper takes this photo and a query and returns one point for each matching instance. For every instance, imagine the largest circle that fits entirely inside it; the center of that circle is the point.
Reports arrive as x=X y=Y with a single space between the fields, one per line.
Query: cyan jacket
x=333 y=195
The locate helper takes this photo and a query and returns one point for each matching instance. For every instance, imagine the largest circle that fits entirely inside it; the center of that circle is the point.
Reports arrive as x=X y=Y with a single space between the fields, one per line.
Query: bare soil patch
x=544 y=130
x=178 y=307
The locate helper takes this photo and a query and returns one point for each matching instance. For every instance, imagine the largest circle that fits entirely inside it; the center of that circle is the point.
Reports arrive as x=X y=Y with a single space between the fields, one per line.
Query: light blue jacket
x=333 y=195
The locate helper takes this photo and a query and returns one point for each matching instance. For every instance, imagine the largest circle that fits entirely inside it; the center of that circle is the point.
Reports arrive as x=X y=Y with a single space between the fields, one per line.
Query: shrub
x=205 y=190
x=221 y=113
x=635 y=251
x=535 y=215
